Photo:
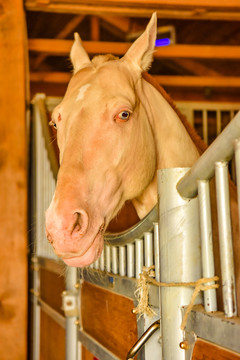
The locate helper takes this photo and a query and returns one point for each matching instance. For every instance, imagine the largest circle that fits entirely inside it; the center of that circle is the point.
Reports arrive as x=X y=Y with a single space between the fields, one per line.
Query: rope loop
x=147 y=277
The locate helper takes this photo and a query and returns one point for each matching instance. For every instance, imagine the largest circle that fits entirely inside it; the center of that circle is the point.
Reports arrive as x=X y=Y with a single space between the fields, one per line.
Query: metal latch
x=142 y=340
x=70 y=303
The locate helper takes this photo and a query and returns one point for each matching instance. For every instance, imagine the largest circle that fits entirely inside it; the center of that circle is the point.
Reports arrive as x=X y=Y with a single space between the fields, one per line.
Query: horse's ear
x=141 y=51
x=78 y=54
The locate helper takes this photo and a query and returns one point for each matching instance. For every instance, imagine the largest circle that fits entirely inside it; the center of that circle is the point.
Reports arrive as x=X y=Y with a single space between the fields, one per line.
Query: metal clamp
x=142 y=340
x=70 y=303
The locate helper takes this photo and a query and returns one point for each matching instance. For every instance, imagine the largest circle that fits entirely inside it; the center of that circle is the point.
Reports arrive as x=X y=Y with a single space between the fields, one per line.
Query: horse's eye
x=123 y=116
x=55 y=125
x=52 y=122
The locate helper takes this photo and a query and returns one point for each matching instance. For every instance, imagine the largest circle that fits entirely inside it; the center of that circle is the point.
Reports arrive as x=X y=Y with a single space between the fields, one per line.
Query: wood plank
x=165 y=9
x=108 y=318
x=51 y=287
x=59 y=47
x=52 y=339
x=204 y=350
x=165 y=80
x=13 y=189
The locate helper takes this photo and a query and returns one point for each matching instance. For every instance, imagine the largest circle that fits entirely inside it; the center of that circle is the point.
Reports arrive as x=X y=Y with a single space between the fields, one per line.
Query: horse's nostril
x=81 y=222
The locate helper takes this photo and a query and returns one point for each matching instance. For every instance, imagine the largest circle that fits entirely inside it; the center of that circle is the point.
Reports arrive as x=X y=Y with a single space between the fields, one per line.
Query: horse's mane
x=200 y=144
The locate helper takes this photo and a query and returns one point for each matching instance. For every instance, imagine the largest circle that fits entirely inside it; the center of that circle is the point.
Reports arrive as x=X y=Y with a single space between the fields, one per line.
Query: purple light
x=162 y=42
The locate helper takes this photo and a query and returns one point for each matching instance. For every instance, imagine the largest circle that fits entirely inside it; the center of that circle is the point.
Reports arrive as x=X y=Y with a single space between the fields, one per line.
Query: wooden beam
x=186 y=9
x=13 y=189
x=95 y=28
x=62 y=47
x=68 y=28
x=196 y=67
x=165 y=80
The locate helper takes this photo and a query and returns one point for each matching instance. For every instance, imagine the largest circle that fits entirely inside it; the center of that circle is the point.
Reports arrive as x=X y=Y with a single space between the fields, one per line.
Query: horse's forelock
x=101 y=59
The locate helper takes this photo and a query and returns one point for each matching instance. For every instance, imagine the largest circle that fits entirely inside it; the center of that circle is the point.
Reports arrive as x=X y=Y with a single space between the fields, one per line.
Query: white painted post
x=180 y=257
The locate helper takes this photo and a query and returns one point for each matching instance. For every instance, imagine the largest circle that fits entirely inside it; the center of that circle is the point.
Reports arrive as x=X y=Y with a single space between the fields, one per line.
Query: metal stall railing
x=126 y=253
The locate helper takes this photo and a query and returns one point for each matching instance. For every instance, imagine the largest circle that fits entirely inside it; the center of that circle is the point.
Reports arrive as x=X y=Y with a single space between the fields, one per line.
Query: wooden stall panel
x=205 y=350
x=52 y=339
x=51 y=288
x=108 y=318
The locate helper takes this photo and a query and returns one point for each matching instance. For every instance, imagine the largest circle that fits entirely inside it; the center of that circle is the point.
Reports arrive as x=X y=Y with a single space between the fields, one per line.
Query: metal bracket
x=70 y=303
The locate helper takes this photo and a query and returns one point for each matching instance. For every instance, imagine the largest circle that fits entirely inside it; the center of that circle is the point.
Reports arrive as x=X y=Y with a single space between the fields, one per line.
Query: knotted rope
x=147 y=277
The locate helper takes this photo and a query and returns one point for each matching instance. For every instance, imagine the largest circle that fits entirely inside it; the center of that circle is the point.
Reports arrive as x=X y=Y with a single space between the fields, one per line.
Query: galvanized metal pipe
x=148 y=249
x=221 y=149
x=130 y=260
x=122 y=261
x=210 y=299
x=114 y=260
x=108 y=258
x=156 y=251
x=180 y=257
x=71 y=329
x=138 y=257
x=225 y=239
x=237 y=167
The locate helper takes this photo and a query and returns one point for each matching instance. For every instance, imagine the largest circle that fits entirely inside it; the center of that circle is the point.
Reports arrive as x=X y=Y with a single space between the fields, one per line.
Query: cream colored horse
x=114 y=131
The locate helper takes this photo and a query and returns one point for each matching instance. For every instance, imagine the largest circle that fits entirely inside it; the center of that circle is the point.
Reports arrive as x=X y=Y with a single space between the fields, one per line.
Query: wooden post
x=13 y=183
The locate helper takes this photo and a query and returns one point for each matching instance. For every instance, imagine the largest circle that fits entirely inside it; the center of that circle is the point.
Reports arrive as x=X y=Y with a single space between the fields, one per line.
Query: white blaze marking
x=82 y=91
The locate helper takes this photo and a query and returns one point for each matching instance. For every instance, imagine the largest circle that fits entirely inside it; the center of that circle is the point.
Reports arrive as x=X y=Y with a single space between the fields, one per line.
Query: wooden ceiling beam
x=196 y=67
x=180 y=9
x=165 y=80
x=58 y=47
x=68 y=28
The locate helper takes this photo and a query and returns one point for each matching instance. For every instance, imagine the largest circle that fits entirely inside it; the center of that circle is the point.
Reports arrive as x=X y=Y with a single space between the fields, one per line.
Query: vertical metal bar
x=71 y=329
x=130 y=260
x=114 y=260
x=237 y=167
x=210 y=300
x=96 y=264
x=102 y=260
x=122 y=261
x=138 y=257
x=205 y=126
x=180 y=257
x=156 y=251
x=148 y=249
x=225 y=239
x=36 y=311
x=108 y=258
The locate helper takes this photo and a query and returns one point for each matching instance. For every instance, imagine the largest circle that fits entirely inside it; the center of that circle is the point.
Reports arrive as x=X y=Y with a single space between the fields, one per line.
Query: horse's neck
x=174 y=147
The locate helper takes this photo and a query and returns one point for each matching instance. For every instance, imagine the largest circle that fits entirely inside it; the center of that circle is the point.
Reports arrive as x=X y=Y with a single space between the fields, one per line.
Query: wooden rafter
x=62 y=47
x=165 y=80
x=68 y=28
x=185 y=9
x=196 y=67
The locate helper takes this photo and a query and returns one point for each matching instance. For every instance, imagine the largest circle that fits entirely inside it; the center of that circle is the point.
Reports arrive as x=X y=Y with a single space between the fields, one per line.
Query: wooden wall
x=13 y=183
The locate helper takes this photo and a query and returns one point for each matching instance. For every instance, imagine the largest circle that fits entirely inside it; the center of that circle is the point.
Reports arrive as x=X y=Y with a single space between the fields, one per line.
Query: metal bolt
x=77 y=322
x=76 y=286
x=184 y=345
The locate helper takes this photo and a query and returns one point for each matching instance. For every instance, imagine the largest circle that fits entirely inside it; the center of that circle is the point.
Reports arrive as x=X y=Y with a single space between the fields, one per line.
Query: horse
x=115 y=129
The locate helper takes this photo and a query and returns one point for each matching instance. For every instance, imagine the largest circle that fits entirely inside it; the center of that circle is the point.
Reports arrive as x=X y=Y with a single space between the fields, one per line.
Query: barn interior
x=196 y=61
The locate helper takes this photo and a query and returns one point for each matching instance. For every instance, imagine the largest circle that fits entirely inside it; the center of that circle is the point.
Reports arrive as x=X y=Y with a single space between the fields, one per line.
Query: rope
x=147 y=277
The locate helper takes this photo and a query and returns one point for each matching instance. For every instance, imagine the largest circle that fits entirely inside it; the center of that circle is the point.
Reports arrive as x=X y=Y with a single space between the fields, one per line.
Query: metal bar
x=148 y=249
x=130 y=260
x=237 y=167
x=114 y=260
x=142 y=340
x=108 y=258
x=71 y=329
x=180 y=257
x=225 y=239
x=221 y=149
x=96 y=264
x=122 y=261
x=156 y=251
x=102 y=260
x=58 y=318
x=138 y=257
x=36 y=310
x=210 y=300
